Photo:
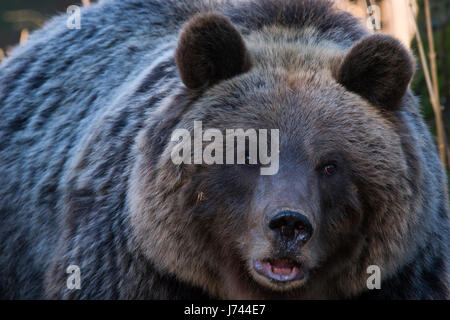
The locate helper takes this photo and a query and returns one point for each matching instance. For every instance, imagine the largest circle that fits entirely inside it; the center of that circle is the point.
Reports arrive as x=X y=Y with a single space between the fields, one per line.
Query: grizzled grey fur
x=75 y=102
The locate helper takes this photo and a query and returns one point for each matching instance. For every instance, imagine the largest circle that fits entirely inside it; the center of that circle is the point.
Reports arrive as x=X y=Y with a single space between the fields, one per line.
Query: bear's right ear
x=379 y=69
x=210 y=49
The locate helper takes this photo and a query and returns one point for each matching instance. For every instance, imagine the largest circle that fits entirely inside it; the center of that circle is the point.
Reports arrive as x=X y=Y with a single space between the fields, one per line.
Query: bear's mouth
x=279 y=270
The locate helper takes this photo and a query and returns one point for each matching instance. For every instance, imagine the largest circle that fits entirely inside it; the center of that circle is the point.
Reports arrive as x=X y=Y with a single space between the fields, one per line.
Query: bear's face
x=331 y=142
x=238 y=233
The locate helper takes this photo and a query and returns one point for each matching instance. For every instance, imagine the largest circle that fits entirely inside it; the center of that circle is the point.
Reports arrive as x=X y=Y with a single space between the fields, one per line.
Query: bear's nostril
x=291 y=226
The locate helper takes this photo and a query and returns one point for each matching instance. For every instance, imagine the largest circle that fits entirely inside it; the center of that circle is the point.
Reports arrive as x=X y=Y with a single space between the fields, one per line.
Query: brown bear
x=93 y=205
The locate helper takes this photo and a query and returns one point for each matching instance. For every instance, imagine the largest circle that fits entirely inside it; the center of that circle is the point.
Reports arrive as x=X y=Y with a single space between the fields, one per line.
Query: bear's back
x=53 y=92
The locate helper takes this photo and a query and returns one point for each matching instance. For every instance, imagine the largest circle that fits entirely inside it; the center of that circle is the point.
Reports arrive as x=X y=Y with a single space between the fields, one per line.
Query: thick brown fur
x=378 y=68
x=89 y=179
x=210 y=49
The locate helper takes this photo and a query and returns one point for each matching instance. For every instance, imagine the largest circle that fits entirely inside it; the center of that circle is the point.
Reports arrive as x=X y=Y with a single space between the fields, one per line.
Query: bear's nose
x=291 y=226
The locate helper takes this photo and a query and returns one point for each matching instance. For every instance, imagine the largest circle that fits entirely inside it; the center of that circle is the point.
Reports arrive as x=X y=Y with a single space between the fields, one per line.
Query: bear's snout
x=291 y=228
x=285 y=263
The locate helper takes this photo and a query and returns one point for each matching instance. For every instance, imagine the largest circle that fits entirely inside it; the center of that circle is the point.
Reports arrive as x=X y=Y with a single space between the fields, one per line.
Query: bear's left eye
x=250 y=161
x=329 y=169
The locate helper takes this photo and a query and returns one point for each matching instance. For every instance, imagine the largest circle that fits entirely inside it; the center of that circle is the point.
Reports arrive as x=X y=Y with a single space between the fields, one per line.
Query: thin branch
x=436 y=107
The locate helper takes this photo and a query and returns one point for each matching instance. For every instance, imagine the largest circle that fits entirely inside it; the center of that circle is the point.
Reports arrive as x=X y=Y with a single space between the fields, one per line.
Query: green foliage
x=440 y=13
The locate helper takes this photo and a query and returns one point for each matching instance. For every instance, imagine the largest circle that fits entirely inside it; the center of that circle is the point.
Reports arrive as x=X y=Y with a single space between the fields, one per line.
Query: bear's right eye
x=329 y=169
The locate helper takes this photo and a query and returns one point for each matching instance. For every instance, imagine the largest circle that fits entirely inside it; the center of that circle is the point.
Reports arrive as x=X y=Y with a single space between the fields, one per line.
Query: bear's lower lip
x=280 y=270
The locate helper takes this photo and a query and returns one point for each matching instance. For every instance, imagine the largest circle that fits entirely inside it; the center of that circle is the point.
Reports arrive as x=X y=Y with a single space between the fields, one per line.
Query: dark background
x=440 y=14
x=16 y=15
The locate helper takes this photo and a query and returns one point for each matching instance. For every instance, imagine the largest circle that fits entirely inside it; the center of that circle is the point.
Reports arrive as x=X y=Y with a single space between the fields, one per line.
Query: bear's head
x=341 y=192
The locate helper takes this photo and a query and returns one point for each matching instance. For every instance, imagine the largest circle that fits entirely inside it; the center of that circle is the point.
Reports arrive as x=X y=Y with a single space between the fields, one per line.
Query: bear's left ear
x=379 y=69
x=210 y=49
